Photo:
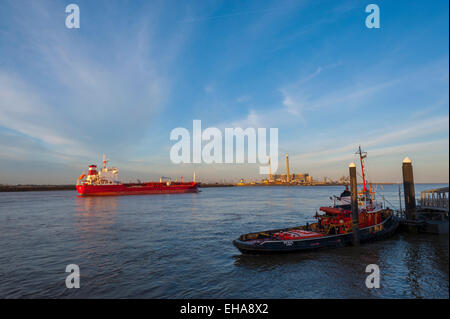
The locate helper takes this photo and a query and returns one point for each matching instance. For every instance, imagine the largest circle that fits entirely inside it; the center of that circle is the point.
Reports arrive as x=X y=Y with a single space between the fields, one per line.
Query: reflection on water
x=94 y=224
x=413 y=265
x=95 y=213
x=419 y=255
x=179 y=246
x=414 y=271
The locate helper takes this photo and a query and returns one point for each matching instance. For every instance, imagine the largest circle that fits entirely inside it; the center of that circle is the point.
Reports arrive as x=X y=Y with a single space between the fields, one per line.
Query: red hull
x=136 y=189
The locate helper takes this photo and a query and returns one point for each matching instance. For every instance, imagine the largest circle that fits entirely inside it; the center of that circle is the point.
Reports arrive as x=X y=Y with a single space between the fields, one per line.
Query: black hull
x=372 y=233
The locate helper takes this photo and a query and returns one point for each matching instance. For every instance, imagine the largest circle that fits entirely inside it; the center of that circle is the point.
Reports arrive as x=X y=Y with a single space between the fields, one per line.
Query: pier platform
x=431 y=213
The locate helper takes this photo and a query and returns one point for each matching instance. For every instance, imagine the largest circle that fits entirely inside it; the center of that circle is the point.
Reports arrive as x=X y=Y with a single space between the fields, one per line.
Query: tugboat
x=332 y=229
x=106 y=183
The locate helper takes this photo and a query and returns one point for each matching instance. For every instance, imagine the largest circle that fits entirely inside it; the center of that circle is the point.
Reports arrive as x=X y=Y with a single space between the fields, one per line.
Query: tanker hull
x=136 y=189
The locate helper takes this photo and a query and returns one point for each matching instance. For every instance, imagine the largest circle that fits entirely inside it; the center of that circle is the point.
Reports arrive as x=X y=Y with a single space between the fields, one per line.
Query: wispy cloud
x=276 y=9
x=379 y=140
x=87 y=95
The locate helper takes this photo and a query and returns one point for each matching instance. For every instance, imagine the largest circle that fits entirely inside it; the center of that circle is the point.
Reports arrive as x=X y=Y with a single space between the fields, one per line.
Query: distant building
x=293 y=178
x=301 y=178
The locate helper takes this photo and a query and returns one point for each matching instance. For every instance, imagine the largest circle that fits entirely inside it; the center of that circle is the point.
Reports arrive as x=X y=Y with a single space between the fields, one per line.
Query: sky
x=135 y=70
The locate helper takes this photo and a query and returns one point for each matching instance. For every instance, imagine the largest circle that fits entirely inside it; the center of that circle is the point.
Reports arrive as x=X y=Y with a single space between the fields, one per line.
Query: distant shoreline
x=34 y=188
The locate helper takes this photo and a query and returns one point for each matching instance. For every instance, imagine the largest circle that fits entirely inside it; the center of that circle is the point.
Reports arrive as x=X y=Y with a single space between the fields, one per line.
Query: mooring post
x=355 y=216
x=408 y=189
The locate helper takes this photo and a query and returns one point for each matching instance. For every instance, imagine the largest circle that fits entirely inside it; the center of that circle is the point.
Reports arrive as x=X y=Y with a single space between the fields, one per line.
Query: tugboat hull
x=375 y=232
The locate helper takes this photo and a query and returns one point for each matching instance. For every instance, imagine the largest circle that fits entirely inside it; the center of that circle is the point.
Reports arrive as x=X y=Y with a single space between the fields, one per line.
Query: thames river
x=180 y=246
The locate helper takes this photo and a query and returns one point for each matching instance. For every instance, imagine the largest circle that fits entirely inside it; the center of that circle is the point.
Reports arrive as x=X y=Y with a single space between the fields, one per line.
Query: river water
x=179 y=246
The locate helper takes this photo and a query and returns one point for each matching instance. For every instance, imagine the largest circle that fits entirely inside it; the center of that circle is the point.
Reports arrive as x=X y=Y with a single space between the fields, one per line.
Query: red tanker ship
x=105 y=182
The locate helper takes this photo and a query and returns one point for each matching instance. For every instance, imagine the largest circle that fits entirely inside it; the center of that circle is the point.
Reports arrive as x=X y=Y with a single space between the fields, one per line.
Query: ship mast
x=105 y=161
x=362 y=155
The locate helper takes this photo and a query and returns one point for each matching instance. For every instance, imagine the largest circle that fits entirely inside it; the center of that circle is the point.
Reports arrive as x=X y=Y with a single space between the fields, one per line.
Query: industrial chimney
x=270 y=172
x=288 y=178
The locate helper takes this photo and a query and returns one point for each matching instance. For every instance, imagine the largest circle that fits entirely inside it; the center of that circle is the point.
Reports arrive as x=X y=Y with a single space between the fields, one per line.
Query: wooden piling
x=355 y=216
x=408 y=188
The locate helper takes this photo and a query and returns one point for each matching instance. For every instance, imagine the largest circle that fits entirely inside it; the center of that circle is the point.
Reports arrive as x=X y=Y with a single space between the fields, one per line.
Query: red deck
x=297 y=234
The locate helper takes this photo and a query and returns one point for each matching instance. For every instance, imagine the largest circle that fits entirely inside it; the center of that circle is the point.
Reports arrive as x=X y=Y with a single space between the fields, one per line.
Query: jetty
x=427 y=215
x=434 y=200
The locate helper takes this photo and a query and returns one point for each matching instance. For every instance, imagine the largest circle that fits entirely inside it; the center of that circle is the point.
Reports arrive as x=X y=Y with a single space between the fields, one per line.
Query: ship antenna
x=362 y=155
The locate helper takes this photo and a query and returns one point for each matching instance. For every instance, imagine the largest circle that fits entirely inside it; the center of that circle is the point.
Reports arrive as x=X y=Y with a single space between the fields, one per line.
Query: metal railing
x=435 y=199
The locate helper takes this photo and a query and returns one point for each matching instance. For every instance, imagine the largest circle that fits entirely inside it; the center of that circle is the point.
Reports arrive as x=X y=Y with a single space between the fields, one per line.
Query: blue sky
x=135 y=70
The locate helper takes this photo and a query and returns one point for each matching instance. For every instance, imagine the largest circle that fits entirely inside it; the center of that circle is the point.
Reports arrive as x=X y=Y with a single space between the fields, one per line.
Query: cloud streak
x=87 y=97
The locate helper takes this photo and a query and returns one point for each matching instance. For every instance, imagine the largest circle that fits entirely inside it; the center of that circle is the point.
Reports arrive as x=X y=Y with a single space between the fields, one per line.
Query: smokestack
x=287 y=169
x=270 y=171
x=408 y=187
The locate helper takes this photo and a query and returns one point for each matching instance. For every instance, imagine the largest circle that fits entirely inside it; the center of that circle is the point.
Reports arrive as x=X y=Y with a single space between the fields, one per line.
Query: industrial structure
x=287 y=169
x=289 y=178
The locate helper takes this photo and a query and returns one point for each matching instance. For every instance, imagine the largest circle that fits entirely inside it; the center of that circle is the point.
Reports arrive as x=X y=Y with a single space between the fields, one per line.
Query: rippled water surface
x=179 y=246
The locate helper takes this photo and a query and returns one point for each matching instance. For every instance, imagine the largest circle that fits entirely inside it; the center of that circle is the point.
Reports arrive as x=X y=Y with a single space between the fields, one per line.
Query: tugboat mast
x=362 y=155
